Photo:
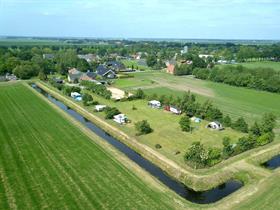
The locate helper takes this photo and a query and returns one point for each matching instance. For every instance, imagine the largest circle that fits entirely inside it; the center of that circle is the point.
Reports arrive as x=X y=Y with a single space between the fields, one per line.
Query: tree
x=83 y=65
x=256 y=130
x=26 y=70
x=111 y=112
x=265 y=139
x=214 y=156
x=197 y=155
x=143 y=127
x=245 y=143
x=151 y=60
x=227 y=121
x=42 y=76
x=268 y=123
x=185 y=124
x=139 y=94
x=227 y=149
x=240 y=125
x=86 y=99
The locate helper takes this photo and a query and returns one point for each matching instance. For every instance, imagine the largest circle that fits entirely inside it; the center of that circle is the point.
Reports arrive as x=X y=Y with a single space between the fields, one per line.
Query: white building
x=120 y=118
x=185 y=50
x=100 y=108
x=204 y=56
x=154 y=104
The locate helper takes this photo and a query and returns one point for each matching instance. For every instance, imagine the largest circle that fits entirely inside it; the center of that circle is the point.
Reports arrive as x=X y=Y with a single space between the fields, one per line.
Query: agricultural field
x=48 y=162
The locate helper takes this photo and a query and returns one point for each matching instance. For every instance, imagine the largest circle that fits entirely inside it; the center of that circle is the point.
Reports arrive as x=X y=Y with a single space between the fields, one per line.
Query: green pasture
x=48 y=163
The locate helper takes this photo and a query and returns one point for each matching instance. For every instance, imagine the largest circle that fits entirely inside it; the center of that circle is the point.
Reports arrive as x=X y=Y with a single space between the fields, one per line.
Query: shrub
x=158 y=146
x=143 y=127
x=86 y=99
x=240 y=125
x=185 y=124
x=134 y=107
x=227 y=121
x=265 y=139
x=111 y=112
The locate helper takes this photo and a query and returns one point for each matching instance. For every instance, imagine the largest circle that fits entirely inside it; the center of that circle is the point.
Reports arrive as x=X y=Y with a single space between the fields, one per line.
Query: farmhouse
x=11 y=77
x=89 y=57
x=88 y=76
x=170 y=66
x=100 y=108
x=215 y=125
x=154 y=104
x=120 y=118
x=105 y=72
x=74 y=75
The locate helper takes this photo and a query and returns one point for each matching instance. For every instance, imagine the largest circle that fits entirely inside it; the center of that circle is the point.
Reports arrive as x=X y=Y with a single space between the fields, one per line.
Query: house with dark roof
x=115 y=66
x=88 y=76
x=89 y=57
x=105 y=72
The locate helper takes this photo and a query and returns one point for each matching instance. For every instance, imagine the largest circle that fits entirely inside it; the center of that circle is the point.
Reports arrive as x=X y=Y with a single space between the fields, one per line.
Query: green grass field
x=47 y=162
x=135 y=64
x=235 y=101
x=263 y=64
x=167 y=131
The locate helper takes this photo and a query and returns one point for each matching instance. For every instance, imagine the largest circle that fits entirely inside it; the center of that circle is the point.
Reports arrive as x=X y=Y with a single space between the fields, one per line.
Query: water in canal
x=273 y=163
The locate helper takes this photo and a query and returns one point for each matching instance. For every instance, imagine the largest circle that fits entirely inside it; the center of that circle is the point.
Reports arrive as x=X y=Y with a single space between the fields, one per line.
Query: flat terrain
x=235 y=101
x=263 y=64
x=47 y=162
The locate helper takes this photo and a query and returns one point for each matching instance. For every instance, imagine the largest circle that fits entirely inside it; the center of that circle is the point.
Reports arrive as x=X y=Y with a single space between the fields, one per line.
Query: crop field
x=47 y=162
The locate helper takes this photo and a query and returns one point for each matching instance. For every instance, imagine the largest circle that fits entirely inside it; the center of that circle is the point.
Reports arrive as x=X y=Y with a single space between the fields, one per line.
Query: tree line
x=259 y=78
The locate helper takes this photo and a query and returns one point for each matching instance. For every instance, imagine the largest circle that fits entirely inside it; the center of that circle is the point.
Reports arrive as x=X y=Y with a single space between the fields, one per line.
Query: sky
x=196 y=19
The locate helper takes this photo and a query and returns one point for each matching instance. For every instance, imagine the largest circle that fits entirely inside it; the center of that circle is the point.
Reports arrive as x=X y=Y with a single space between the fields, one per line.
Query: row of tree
x=260 y=78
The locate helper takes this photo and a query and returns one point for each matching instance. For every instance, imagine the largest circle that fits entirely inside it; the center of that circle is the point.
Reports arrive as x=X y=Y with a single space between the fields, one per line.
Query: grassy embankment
x=47 y=162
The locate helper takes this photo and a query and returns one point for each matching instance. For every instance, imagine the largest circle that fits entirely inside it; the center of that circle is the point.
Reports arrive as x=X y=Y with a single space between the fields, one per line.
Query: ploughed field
x=47 y=162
